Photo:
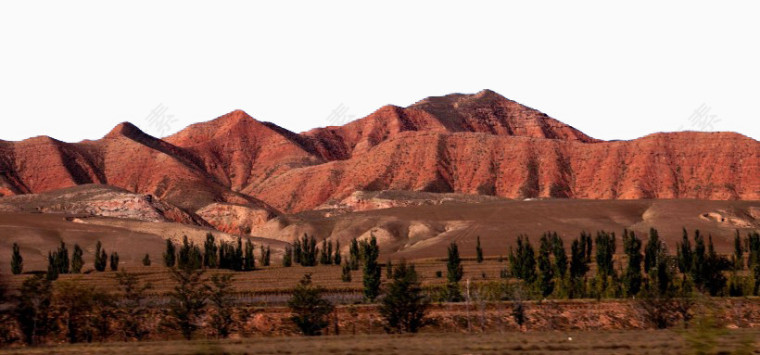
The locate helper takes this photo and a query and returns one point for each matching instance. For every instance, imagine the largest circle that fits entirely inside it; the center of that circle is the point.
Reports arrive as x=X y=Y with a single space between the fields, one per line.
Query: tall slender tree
x=479 y=251
x=738 y=257
x=560 y=256
x=210 y=252
x=337 y=260
x=170 y=255
x=605 y=251
x=77 y=261
x=652 y=250
x=545 y=268
x=101 y=258
x=454 y=273
x=684 y=254
x=354 y=256
x=287 y=258
x=371 y=270
x=632 y=278
x=523 y=260
x=114 y=261
x=250 y=261
x=17 y=261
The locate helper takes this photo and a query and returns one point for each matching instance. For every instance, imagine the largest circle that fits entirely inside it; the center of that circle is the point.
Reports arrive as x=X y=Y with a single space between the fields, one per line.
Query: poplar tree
x=249 y=263
x=652 y=250
x=632 y=278
x=210 y=252
x=454 y=273
x=545 y=269
x=287 y=259
x=76 y=260
x=479 y=251
x=371 y=269
x=17 y=261
x=170 y=255
x=101 y=258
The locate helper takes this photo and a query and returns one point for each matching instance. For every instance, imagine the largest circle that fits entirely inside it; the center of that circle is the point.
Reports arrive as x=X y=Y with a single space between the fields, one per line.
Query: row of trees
x=222 y=255
x=646 y=267
x=59 y=261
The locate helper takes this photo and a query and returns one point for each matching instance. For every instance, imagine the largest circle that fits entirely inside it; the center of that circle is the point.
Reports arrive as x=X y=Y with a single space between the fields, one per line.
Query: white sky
x=73 y=70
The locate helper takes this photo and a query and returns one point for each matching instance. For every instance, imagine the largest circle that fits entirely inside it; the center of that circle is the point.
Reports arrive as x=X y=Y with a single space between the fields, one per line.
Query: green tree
x=684 y=254
x=114 y=261
x=250 y=261
x=32 y=309
x=738 y=258
x=522 y=262
x=479 y=251
x=337 y=260
x=545 y=269
x=61 y=258
x=579 y=265
x=189 y=255
x=222 y=303
x=454 y=273
x=210 y=252
x=652 y=250
x=579 y=262
x=237 y=256
x=354 y=256
x=170 y=255
x=753 y=247
x=324 y=257
x=133 y=313
x=266 y=255
x=345 y=275
x=17 y=261
x=52 y=268
x=308 y=251
x=714 y=277
x=297 y=251
x=76 y=260
x=310 y=310
x=605 y=251
x=371 y=270
x=389 y=269
x=101 y=257
x=287 y=258
x=404 y=305
x=146 y=260
x=560 y=256
x=632 y=278
x=186 y=301
x=78 y=306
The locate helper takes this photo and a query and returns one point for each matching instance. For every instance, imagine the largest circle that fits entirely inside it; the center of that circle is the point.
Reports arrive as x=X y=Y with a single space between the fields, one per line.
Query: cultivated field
x=278 y=279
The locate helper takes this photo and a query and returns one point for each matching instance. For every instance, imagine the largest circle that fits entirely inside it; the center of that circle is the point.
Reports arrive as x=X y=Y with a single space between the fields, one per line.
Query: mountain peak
x=124 y=129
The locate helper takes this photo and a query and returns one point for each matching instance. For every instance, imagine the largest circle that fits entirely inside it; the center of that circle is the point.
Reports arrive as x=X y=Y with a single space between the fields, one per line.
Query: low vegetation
x=198 y=290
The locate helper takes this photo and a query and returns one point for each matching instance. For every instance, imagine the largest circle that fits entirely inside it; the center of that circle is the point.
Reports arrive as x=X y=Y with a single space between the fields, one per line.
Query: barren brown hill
x=237 y=173
x=425 y=230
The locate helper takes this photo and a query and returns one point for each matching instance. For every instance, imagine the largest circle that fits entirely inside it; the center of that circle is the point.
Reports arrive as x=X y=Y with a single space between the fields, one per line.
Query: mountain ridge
x=478 y=143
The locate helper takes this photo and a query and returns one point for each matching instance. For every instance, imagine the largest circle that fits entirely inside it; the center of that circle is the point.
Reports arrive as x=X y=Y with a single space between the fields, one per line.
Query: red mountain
x=475 y=144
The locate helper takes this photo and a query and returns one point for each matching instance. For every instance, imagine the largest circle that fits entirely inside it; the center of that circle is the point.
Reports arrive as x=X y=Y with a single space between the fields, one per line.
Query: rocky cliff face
x=233 y=167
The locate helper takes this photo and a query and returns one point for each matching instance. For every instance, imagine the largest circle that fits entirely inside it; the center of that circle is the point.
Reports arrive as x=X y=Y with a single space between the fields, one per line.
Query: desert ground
x=598 y=342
